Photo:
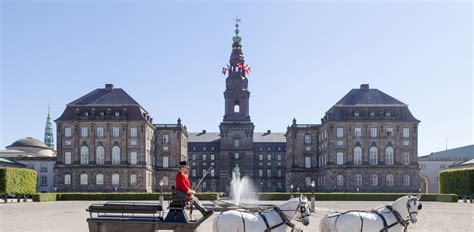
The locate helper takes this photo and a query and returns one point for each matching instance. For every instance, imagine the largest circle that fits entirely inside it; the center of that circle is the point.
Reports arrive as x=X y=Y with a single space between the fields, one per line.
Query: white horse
x=392 y=217
x=276 y=219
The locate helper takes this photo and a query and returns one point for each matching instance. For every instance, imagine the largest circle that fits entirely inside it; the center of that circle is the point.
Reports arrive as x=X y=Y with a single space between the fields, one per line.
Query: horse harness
x=395 y=213
x=284 y=218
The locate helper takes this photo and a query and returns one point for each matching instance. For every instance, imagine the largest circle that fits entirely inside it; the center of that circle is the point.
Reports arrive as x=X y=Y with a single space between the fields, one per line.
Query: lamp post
x=291 y=188
x=161 y=194
x=312 y=196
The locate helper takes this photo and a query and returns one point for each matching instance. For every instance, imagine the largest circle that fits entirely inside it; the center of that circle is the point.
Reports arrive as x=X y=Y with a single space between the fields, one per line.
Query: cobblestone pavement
x=71 y=216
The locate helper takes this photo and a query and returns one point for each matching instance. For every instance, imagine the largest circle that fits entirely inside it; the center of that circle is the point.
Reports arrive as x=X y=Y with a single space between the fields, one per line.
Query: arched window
x=389 y=179
x=99 y=179
x=307 y=181
x=133 y=179
x=340 y=180
x=357 y=155
x=115 y=179
x=67 y=179
x=236 y=107
x=84 y=155
x=373 y=156
x=389 y=156
x=116 y=155
x=357 y=179
x=84 y=179
x=374 y=179
x=100 y=155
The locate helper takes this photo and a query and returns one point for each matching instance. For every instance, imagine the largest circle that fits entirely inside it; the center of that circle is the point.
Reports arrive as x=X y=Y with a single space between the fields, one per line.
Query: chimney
x=203 y=131
x=109 y=87
x=269 y=132
x=364 y=87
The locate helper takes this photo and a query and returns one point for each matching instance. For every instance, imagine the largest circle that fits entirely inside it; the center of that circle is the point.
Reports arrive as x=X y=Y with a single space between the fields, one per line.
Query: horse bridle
x=302 y=211
x=408 y=206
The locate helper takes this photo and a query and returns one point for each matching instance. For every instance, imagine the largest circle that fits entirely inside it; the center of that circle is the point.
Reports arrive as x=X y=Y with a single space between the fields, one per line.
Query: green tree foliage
x=17 y=181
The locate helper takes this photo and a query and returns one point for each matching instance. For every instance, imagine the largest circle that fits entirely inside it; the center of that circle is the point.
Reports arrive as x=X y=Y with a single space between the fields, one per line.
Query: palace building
x=366 y=142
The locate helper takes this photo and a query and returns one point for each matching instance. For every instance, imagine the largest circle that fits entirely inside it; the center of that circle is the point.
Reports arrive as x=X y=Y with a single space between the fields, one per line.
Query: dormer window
x=356 y=114
x=117 y=114
x=86 y=114
x=102 y=114
x=387 y=114
x=372 y=114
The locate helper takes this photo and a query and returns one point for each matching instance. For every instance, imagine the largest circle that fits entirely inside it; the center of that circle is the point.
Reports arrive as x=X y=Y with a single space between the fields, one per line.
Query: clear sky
x=305 y=56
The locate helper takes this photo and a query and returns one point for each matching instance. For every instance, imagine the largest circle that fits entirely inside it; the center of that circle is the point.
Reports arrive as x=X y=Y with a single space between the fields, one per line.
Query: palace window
x=204 y=156
x=260 y=172
x=165 y=180
x=99 y=179
x=269 y=173
x=307 y=139
x=115 y=179
x=100 y=155
x=236 y=107
x=374 y=179
x=115 y=131
x=406 y=158
x=84 y=155
x=358 y=179
x=389 y=132
x=100 y=132
x=67 y=179
x=212 y=157
x=260 y=157
x=133 y=179
x=307 y=161
x=166 y=161
x=269 y=157
x=67 y=132
x=406 y=180
x=84 y=131
x=133 y=157
x=115 y=155
x=67 y=157
x=373 y=156
x=340 y=180
x=339 y=158
x=406 y=132
x=389 y=179
x=358 y=132
x=357 y=155
x=212 y=172
x=84 y=179
x=166 y=139
x=44 y=181
x=389 y=156
x=236 y=142
x=339 y=132
x=133 y=132
x=373 y=132
x=236 y=155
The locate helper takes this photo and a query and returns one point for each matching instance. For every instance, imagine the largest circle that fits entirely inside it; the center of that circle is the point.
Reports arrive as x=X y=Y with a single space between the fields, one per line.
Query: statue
x=237 y=171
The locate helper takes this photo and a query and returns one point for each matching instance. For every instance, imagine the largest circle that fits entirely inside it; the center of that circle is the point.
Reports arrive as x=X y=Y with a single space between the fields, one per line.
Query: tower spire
x=48 y=132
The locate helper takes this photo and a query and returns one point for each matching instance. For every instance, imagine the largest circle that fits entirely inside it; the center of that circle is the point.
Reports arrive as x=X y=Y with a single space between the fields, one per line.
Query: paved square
x=71 y=216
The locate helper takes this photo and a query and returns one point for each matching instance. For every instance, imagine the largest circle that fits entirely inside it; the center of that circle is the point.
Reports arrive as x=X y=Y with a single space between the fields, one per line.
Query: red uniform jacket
x=182 y=184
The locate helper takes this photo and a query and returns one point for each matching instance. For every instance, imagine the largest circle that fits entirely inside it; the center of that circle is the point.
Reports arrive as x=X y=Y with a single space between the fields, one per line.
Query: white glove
x=191 y=192
x=194 y=198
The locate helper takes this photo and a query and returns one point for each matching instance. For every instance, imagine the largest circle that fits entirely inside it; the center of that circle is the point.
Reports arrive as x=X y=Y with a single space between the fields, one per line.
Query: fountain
x=239 y=186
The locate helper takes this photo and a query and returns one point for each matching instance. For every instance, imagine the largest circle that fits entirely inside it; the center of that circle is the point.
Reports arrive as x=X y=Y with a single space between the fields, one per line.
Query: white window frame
x=166 y=139
x=390 y=180
x=374 y=180
x=357 y=179
x=100 y=132
x=84 y=132
x=389 y=132
x=269 y=173
x=84 y=155
x=67 y=157
x=99 y=179
x=406 y=180
x=339 y=180
x=133 y=179
x=236 y=155
x=389 y=155
x=133 y=132
x=260 y=172
x=373 y=156
x=115 y=179
x=339 y=132
x=373 y=132
x=236 y=142
x=357 y=132
x=68 y=132
x=357 y=156
x=339 y=158
x=133 y=157
x=406 y=158
x=115 y=132
x=307 y=139
x=67 y=179
x=100 y=155
x=166 y=161
x=115 y=155
x=406 y=132
x=84 y=179
x=307 y=161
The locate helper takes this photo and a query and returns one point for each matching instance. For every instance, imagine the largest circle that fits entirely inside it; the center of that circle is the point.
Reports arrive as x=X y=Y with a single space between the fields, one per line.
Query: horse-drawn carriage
x=142 y=217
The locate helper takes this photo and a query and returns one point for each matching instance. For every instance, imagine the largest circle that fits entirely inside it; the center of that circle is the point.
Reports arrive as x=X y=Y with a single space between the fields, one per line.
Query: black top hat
x=183 y=163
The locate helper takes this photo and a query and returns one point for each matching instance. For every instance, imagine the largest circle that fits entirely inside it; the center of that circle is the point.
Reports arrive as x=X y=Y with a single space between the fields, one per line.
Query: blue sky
x=305 y=56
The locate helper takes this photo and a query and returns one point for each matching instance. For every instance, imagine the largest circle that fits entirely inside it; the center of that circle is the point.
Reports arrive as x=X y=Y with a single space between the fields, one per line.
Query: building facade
x=431 y=165
x=366 y=142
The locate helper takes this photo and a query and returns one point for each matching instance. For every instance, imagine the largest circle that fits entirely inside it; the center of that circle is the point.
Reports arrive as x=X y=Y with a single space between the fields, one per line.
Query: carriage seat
x=178 y=198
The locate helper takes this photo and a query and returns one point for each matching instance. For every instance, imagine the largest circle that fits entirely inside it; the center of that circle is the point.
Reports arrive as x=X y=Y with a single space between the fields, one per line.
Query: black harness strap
x=243 y=220
x=264 y=219
x=361 y=222
x=385 y=227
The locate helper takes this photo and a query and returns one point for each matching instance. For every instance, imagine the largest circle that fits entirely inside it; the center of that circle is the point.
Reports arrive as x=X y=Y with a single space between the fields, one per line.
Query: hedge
x=458 y=181
x=17 y=181
x=357 y=196
x=129 y=196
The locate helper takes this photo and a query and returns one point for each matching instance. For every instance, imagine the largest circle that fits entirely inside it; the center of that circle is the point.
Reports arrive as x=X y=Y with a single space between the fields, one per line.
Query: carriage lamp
x=55 y=189
x=291 y=188
x=312 y=196
x=161 y=183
